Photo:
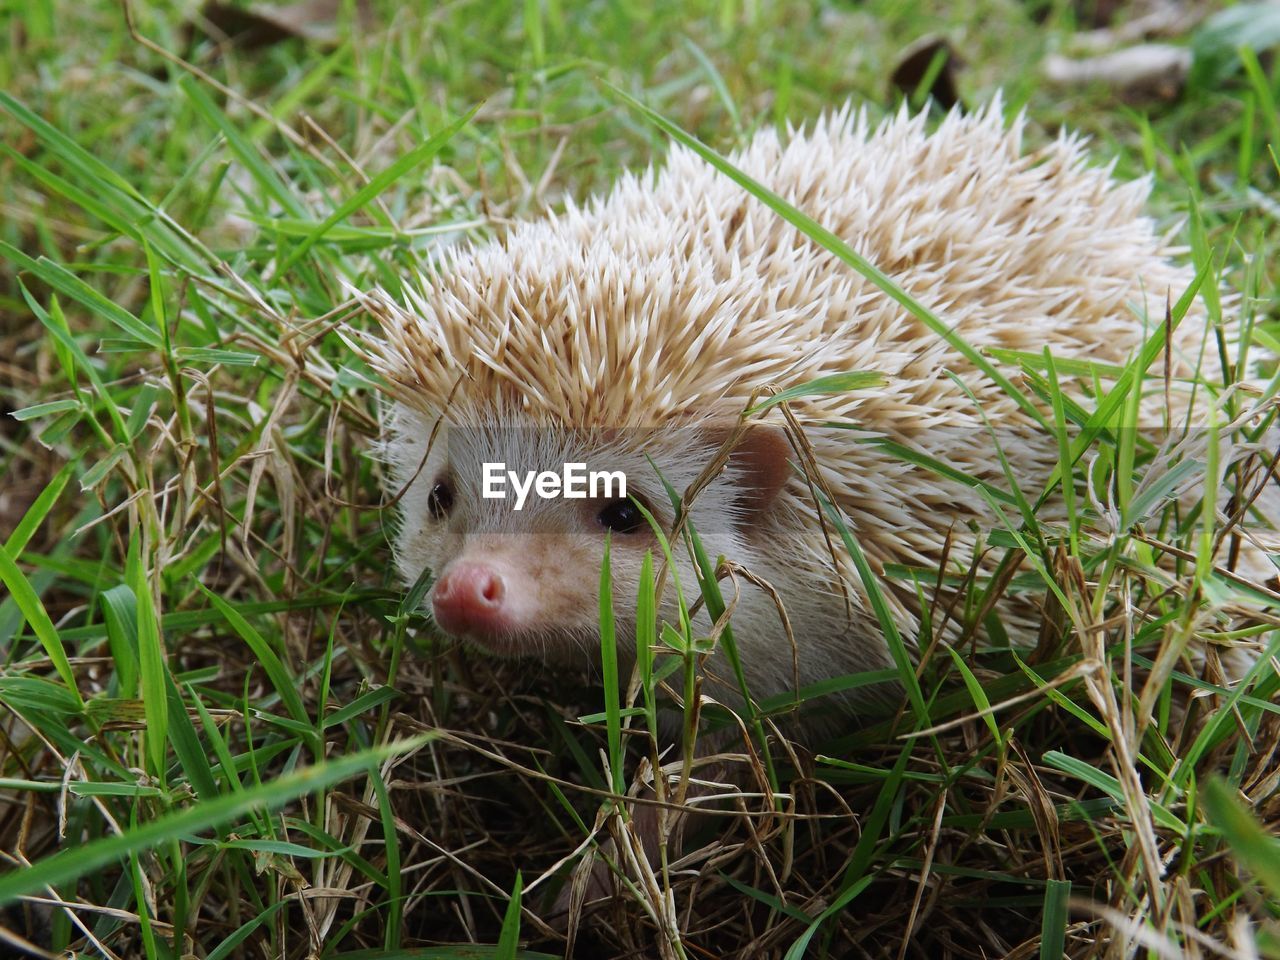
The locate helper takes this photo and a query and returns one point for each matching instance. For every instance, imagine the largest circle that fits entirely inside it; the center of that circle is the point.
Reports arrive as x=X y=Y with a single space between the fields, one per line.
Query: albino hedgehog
x=633 y=332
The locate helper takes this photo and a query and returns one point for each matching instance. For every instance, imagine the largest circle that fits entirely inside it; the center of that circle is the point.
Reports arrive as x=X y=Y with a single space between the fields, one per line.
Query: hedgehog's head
x=511 y=518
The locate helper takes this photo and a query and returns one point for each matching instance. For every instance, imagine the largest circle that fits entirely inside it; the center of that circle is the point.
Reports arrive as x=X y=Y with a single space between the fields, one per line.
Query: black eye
x=440 y=499
x=621 y=516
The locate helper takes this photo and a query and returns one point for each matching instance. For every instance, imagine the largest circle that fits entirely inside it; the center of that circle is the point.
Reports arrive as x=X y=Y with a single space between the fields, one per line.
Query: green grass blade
x=1104 y=416
x=242 y=932
x=190 y=752
x=884 y=616
x=798 y=949
x=56 y=323
x=119 y=610
x=38 y=510
x=933 y=465
x=717 y=82
x=45 y=409
x=75 y=156
x=66 y=282
x=1223 y=720
x=331 y=843
x=609 y=672
x=1110 y=786
x=414 y=158
x=974 y=686
x=646 y=636
x=258 y=168
x=391 y=850
x=509 y=938
x=1053 y=925
x=836 y=383
x=1063 y=437
x=1247 y=839
x=873 y=827
x=33 y=610
x=361 y=704
x=713 y=597
x=72 y=864
x=284 y=684
x=153 y=672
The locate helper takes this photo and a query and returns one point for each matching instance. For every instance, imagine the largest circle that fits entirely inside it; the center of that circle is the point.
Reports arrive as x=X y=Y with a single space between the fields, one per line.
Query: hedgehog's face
x=512 y=522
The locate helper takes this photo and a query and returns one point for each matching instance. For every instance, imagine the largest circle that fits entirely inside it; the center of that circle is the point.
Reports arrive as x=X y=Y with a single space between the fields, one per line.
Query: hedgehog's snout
x=518 y=593
x=470 y=600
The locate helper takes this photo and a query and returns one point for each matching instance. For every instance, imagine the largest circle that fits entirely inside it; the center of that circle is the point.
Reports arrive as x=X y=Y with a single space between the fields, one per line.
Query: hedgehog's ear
x=760 y=460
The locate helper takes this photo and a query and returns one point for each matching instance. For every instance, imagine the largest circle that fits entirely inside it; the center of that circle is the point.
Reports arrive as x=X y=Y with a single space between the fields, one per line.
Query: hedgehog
x=635 y=332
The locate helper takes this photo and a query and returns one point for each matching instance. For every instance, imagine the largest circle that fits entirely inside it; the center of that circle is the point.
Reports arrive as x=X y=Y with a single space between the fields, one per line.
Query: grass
x=226 y=730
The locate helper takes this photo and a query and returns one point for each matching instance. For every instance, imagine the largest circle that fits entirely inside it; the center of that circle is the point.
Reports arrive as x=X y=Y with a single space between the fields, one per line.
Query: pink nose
x=468 y=599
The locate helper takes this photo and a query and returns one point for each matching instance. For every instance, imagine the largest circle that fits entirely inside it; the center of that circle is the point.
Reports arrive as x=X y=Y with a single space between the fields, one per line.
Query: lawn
x=228 y=731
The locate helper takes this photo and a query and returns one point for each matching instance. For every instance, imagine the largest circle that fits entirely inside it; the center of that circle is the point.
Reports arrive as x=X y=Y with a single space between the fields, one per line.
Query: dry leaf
x=916 y=65
x=262 y=25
